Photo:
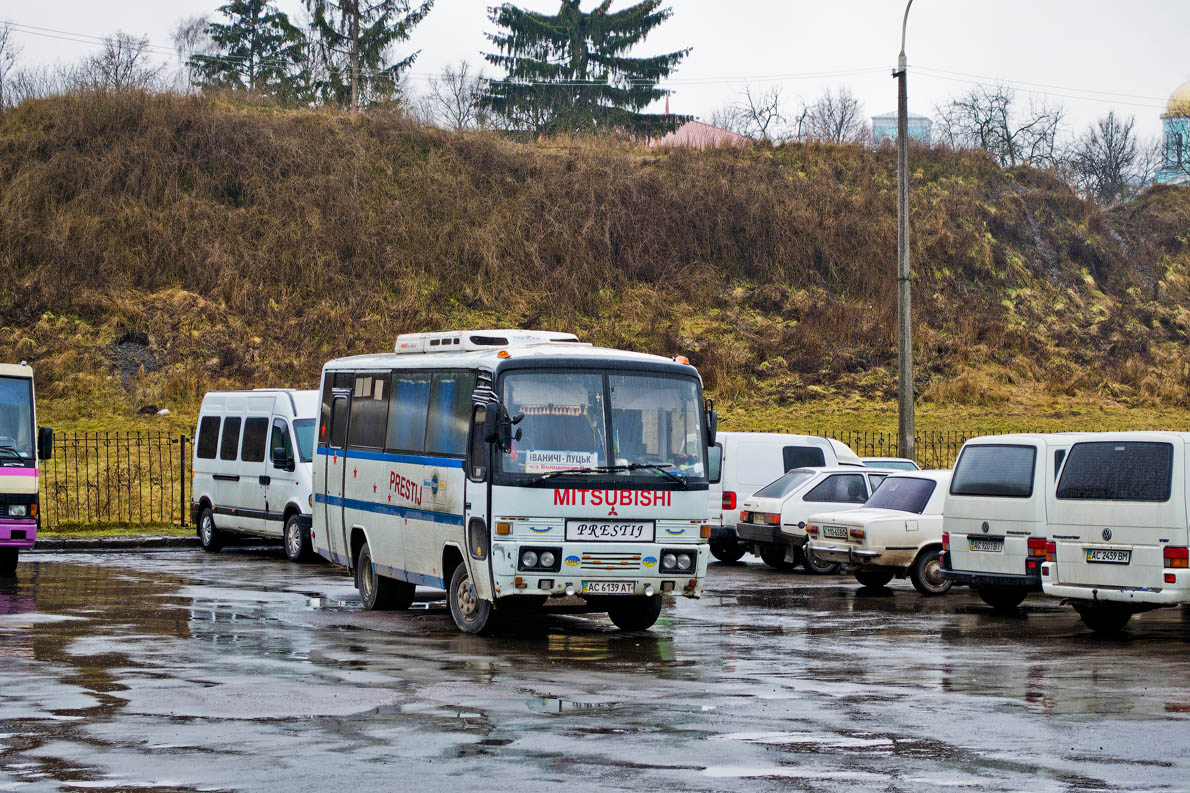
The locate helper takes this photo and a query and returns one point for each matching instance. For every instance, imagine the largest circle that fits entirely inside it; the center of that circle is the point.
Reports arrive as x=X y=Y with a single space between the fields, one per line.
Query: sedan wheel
x=926 y=573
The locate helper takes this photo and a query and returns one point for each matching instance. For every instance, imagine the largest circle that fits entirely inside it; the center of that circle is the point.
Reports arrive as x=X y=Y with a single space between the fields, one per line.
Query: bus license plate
x=981 y=544
x=1109 y=556
x=834 y=532
x=610 y=530
x=609 y=588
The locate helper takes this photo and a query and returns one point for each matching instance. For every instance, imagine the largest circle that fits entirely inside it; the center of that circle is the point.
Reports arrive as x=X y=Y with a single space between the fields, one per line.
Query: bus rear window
x=1117 y=471
x=995 y=470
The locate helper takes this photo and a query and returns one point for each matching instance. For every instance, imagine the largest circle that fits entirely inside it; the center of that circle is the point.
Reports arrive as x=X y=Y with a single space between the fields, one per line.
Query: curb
x=135 y=543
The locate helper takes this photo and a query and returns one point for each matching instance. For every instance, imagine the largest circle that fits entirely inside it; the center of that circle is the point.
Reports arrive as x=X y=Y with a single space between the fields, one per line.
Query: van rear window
x=1117 y=471
x=208 y=437
x=1001 y=470
x=256 y=430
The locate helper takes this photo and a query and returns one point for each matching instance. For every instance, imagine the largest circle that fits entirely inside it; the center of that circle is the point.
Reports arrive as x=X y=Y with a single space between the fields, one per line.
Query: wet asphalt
x=183 y=671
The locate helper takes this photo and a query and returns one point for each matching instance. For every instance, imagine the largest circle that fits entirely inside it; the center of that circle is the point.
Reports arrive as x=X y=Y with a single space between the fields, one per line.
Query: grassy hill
x=156 y=247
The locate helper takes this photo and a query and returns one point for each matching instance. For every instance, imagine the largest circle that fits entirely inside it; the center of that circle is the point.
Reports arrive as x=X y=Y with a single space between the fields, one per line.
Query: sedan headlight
x=18 y=510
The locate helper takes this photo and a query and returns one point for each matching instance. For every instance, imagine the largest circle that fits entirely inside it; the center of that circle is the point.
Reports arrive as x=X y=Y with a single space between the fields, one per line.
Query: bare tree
x=9 y=52
x=453 y=100
x=191 y=37
x=759 y=114
x=35 y=82
x=988 y=118
x=1104 y=158
x=123 y=65
x=836 y=116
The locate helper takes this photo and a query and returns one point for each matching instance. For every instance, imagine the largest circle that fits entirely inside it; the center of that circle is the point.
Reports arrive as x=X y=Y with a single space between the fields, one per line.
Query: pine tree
x=356 y=36
x=569 y=72
x=257 y=50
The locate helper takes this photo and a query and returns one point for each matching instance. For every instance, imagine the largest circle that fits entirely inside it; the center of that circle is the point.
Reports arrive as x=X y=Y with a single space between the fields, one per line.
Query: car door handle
x=264 y=480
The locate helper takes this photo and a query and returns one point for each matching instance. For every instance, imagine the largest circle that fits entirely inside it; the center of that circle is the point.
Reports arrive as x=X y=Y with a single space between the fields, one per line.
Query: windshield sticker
x=538 y=461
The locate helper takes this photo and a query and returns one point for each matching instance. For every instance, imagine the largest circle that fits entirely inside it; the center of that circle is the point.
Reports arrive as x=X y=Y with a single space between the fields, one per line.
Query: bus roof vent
x=471 y=340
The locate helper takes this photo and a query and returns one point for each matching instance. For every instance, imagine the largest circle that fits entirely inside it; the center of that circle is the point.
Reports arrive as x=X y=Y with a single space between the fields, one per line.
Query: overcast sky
x=1090 y=55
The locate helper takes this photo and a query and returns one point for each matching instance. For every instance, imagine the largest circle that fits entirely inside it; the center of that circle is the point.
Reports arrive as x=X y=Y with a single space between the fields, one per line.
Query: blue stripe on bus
x=389 y=509
x=413 y=459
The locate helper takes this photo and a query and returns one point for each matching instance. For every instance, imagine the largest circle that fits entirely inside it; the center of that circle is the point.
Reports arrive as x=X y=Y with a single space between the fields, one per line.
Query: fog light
x=667 y=586
x=529 y=559
x=545 y=583
x=547 y=558
x=648 y=590
x=570 y=590
x=1171 y=578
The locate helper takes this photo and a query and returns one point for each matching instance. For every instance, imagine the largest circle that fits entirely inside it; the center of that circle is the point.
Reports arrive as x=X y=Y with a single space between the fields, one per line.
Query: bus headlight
x=669 y=561
x=678 y=560
x=528 y=559
x=540 y=560
x=684 y=561
x=18 y=510
x=547 y=558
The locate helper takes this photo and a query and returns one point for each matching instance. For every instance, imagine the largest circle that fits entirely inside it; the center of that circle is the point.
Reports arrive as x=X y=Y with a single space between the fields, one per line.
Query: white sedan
x=898 y=531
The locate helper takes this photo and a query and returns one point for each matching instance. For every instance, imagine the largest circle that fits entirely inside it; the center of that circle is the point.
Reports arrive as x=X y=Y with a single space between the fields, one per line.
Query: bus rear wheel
x=471 y=613
x=1002 y=598
x=1104 y=619
x=635 y=613
x=8 y=561
x=208 y=536
x=378 y=592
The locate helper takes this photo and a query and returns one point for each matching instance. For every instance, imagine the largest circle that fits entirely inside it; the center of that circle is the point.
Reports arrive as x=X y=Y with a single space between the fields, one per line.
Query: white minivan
x=743 y=462
x=253 y=468
x=995 y=514
x=1119 y=533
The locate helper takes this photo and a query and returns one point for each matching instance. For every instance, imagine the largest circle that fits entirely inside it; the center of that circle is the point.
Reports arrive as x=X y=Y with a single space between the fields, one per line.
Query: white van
x=1119 y=532
x=253 y=468
x=743 y=462
x=995 y=514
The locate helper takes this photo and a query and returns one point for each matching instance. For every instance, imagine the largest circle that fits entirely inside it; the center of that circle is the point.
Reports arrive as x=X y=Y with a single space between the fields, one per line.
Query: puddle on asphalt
x=824 y=740
x=559 y=705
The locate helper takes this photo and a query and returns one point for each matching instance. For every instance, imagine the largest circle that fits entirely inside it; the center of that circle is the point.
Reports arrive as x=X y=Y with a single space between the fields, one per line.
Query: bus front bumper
x=18 y=532
x=586 y=571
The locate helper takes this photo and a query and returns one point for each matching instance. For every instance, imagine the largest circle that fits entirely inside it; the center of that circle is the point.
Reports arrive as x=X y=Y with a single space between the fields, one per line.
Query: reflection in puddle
x=559 y=705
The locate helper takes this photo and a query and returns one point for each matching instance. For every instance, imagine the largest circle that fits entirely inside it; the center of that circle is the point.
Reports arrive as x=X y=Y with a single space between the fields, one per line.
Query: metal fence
x=136 y=478
x=935 y=448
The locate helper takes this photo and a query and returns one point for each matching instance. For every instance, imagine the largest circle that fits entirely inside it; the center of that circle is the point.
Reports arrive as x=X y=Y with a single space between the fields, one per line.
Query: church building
x=1175 y=165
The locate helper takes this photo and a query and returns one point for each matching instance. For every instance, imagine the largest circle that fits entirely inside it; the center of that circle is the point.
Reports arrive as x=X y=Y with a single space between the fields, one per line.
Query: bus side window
x=324 y=423
x=208 y=437
x=256 y=430
x=477 y=463
x=369 y=411
x=231 y=438
x=450 y=413
x=407 y=413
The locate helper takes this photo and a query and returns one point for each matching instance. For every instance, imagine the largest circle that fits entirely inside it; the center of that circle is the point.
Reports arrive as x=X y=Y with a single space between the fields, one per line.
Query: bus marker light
x=1171 y=578
x=706 y=532
x=667 y=586
x=520 y=582
x=504 y=528
x=502 y=354
x=545 y=583
x=682 y=359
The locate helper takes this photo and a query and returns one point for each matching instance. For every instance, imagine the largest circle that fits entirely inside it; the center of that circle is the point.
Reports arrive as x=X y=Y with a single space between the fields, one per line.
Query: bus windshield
x=590 y=420
x=16 y=421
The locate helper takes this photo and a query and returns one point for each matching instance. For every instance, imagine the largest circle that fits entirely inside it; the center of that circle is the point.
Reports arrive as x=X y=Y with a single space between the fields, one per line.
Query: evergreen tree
x=355 y=39
x=257 y=50
x=569 y=72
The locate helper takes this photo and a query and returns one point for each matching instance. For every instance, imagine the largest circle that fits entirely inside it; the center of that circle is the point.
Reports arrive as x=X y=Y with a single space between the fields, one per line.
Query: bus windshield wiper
x=15 y=453
x=607 y=469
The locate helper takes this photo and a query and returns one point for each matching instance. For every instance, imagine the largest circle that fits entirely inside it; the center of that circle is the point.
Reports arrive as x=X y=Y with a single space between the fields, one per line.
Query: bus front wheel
x=471 y=613
x=8 y=561
x=378 y=592
x=636 y=613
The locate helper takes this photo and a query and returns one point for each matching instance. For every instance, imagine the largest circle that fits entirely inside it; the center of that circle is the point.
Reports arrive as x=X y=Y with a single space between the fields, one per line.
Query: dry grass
x=248 y=245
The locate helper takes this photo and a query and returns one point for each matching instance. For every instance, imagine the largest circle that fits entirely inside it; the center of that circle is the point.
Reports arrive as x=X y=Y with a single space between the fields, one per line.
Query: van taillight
x=1036 y=546
x=1051 y=551
x=1176 y=556
x=728 y=499
x=946 y=540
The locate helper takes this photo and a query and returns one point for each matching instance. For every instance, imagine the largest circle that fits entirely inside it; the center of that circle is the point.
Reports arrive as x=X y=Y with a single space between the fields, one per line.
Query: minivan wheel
x=1002 y=598
x=874 y=578
x=817 y=566
x=210 y=538
x=635 y=613
x=774 y=557
x=1103 y=618
x=377 y=592
x=727 y=551
x=471 y=613
x=926 y=573
x=297 y=540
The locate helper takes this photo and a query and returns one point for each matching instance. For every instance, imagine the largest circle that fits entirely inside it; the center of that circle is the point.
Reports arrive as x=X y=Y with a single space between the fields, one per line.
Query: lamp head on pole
x=904 y=28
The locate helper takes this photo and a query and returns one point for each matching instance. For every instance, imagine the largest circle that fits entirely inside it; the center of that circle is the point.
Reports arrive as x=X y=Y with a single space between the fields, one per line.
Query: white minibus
x=1118 y=527
x=253 y=461
x=743 y=462
x=23 y=445
x=995 y=514
x=509 y=467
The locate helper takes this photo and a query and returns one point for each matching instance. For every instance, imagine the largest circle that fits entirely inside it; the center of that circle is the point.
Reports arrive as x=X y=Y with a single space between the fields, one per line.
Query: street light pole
x=906 y=446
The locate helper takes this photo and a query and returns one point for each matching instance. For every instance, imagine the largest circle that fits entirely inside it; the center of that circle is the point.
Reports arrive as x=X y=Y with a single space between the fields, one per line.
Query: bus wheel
x=926 y=573
x=1104 y=619
x=727 y=551
x=297 y=540
x=1002 y=598
x=817 y=566
x=378 y=592
x=873 y=578
x=636 y=613
x=774 y=557
x=471 y=613
x=8 y=561
x=208 y=536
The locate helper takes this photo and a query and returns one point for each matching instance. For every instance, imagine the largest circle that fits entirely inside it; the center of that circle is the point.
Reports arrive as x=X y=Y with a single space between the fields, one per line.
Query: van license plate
x=981 y=544
x=1109 y=556
x=610 y=531
x=834 y=532
x=609 y=587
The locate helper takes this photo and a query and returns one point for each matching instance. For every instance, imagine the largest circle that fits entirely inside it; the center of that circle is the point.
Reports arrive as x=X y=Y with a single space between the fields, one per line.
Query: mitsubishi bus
x=22 y=445
x=514 y=469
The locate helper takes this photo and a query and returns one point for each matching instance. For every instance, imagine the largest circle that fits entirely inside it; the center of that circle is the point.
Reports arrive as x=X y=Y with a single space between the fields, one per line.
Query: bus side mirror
x=712 y=427
x=45 y=443
x=497 y=427
x=491 y=425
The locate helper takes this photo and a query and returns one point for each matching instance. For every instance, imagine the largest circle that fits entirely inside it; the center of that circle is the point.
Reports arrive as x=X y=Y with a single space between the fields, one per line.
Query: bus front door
x=336 y=469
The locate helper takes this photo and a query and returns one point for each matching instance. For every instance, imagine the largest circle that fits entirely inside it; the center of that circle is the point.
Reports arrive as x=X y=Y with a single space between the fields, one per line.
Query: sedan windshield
x=16 y=421
x=904 y=493
x=655 y=424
